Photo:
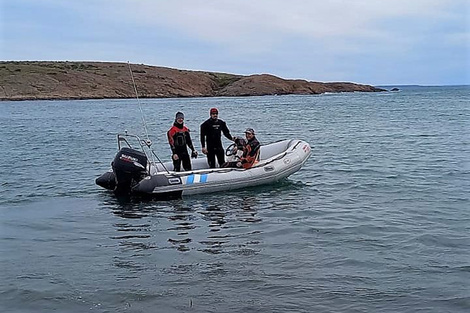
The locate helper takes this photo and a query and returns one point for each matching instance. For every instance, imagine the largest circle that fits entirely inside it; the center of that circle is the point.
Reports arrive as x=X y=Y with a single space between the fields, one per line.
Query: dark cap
x=214 y=110
x=179 y=115
x=250 y=130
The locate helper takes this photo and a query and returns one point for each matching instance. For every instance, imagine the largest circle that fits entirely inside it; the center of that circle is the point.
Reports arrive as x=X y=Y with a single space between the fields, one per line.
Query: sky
x=376 y=42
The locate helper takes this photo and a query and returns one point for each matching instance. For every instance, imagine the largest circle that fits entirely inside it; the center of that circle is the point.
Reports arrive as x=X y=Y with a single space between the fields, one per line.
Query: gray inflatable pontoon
x=136 y=172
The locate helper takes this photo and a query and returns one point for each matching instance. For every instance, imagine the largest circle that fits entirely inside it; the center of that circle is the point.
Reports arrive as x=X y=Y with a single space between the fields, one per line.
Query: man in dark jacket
x=211 y=138
x=179 y=138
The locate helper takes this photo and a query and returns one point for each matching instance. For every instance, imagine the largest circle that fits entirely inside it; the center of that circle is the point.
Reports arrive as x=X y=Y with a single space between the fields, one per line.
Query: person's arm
x=189 y=142
x=203 y=135
x=171 y=141
x=226 y=132
x=203 y=138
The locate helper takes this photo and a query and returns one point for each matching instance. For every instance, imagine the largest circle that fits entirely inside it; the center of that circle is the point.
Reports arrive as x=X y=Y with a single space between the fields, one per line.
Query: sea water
x=378 y=219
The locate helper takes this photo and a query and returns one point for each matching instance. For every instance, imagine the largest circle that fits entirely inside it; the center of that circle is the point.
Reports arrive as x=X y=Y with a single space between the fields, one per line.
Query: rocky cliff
x=27 y=80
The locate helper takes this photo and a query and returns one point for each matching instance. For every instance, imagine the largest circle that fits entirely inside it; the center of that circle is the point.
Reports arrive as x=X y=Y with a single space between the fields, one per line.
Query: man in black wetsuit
x=211 y=138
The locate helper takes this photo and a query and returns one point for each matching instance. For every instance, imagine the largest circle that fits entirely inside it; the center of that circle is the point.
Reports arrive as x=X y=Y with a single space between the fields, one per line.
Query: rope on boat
x=140 y=106
x=148 y=142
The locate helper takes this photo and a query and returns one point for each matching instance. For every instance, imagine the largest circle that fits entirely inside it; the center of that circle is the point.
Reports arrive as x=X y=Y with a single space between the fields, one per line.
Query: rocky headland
x=41 y=80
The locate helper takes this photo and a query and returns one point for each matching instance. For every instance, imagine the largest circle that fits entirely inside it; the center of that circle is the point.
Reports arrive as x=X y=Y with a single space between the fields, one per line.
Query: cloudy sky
x=378 y=42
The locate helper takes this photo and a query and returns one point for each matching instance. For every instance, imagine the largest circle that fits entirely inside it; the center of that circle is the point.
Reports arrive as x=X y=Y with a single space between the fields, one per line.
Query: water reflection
x=150 y=232
x=227 y=219
x=215 y=215
x=249 y=213
x=183 y=222
x=211 y=225
x=217 y=218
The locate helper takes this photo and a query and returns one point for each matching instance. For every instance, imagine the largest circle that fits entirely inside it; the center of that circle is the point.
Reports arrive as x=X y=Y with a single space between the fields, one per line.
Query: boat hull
x=277 y=161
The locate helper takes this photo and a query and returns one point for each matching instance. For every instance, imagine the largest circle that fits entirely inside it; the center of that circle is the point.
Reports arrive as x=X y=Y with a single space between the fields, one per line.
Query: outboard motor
x=129 y=167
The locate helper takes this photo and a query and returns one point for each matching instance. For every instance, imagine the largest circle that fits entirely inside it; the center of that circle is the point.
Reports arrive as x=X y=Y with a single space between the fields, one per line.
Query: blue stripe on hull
x=190 y=179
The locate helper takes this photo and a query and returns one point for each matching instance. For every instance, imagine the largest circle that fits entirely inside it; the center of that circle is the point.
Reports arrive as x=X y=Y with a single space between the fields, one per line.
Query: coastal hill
x=34 y=80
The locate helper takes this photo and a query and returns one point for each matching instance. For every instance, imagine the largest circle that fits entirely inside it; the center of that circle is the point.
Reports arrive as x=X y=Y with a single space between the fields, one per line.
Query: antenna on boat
x=148 y=142
x=140 y=106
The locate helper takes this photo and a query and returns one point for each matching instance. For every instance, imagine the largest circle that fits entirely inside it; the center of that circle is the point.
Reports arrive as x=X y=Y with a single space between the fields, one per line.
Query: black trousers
x=182 y=157
x=215 y=152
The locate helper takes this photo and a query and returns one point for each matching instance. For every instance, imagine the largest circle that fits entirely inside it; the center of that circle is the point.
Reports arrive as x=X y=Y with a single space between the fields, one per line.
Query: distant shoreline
x=62 y=80
x=419 y=86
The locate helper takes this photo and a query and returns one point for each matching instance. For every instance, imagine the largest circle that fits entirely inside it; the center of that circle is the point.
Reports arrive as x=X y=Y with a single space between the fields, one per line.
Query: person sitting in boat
x=250 y=151
x=179 y=138
x=235 y=150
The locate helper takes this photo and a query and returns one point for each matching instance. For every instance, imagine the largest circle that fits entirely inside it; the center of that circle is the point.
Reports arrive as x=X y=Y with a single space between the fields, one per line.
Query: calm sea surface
x=378 y=219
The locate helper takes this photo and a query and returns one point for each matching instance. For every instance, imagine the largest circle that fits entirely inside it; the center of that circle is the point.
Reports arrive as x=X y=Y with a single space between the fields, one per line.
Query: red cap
x=214 y=110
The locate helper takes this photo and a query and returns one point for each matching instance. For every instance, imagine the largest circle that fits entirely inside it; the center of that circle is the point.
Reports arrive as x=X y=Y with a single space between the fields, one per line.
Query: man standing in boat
x=211 y=138
x=179 y=138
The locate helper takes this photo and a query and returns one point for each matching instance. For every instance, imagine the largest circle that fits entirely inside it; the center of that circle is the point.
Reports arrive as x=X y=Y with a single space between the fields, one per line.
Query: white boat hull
x=277 y=161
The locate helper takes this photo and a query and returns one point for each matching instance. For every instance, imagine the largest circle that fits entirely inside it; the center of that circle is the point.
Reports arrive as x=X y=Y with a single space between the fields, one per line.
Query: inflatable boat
x=139 y=172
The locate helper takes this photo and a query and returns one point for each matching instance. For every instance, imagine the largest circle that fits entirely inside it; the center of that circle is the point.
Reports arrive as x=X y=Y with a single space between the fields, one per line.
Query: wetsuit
x=179 y=138
x=211 y=133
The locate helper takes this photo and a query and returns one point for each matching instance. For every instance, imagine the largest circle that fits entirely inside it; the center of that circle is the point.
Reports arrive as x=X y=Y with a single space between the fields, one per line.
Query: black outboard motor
x=129 y=167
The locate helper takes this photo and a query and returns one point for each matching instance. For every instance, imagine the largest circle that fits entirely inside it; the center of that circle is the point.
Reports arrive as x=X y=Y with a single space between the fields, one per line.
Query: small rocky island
x=44 y=80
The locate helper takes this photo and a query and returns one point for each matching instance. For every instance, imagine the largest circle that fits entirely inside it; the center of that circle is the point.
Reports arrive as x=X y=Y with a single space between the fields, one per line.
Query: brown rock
x=27 y=80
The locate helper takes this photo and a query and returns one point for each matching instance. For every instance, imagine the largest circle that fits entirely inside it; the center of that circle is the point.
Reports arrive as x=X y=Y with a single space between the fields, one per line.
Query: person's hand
x=175 y=157
x=194 y=154
x=239 y=164
x=234 y=138
x=204 y=150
